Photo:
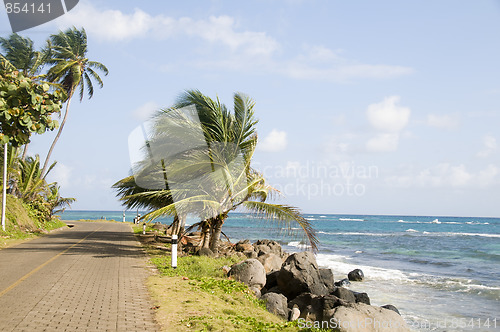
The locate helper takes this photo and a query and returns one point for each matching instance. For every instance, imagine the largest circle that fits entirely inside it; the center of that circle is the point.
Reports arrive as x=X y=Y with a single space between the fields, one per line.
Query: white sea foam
x=297 y=244
x=411 y=230
x=339 y=265
x=435 y=221
x=311 y=219
x=350 y=219
x=322 y=216
x=355 y=233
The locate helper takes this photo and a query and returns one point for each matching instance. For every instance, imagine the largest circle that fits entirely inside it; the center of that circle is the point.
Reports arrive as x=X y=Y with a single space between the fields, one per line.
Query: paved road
x=90 y=277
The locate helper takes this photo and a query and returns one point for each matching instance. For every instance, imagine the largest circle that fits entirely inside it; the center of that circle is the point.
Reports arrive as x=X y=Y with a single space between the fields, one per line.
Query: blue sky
x=365 y=107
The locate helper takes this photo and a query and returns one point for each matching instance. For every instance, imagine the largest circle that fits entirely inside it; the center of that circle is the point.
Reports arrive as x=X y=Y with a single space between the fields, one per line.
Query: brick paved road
x=87 y=278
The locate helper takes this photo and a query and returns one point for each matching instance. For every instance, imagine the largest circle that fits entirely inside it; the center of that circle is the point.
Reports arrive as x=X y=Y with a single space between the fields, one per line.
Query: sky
x=364 y=107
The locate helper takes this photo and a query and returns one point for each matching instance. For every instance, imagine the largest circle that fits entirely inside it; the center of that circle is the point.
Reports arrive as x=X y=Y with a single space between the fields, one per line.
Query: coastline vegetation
x=34 y=84
x=197 y=296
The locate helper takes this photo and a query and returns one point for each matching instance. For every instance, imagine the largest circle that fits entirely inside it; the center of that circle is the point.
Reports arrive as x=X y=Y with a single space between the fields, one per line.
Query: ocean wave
x=311 y=219
x=350 y=219
x=355 y=233
x=322 y=216
x=411 y=230
x=297 y=244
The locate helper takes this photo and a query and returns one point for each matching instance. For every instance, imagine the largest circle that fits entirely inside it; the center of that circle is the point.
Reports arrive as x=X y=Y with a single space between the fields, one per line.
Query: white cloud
x=389 y=119
x=114 y=25
x=442 y=121
x=387 y=116
x=446 y=175
x=274 y=142
x=145 y=111
x=384 y=142
x=61 y=174
x=489 y=146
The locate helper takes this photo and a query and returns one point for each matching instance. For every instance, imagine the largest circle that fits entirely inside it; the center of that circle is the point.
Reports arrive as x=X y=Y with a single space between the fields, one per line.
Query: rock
x=240 y=254
x=344 y=294
x=299 y=274
x=355 y=317
x=262 y=249
x=271 y=262
x=244 y=246
x=276 y=304
x=362 y=298
x=251 y=272
x=205 y=252
x=275 y=289
x=342 y=283
x=356 y=275
x=310 y=306
x=391 y=307
x=256 y=291
x=250 y=254
x=327 y=278
x=294 y=313
x=272 y=279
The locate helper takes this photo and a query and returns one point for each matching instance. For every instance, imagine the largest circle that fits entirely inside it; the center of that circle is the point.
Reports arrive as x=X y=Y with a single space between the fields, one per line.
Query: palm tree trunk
x=205 y=234
x=46 y=163
x=216 y=231
x=25 y=151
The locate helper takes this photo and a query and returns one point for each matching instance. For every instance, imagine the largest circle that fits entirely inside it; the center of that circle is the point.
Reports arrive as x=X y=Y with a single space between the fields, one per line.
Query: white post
x=123 y=216
x=144 y=229
x=4 y=186
x=174 y=251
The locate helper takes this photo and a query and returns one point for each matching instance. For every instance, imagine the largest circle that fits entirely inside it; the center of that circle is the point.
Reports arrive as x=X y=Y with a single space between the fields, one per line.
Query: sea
x=442 y=273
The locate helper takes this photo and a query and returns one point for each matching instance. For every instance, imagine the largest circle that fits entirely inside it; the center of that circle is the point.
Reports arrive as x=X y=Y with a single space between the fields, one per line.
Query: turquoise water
x=443 y=273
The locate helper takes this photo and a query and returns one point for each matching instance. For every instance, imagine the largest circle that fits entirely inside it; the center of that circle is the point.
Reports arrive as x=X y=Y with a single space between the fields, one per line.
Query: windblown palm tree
x=21 y=55
x=71 y=68
x=212 y=177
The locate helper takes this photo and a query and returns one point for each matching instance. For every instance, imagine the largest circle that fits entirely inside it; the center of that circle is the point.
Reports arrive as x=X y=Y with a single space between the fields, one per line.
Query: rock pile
x=294 y=287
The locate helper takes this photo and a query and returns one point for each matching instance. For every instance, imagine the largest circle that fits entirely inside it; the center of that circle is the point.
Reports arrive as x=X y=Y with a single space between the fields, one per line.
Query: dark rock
x=250 y=272
x=327 y=278
x=362 y=298
x=299 y=274
x=272 y=279
x=310 y=306
x=276 y=304
x=391 y=307
x=356 y=275
x=271 y=262
x=205 y=252
x=344 y=294
x=275 y=289
x=342 y=283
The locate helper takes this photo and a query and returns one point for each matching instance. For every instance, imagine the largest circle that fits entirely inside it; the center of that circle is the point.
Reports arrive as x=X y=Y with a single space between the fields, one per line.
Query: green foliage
x=26 y=107
x=194 y=266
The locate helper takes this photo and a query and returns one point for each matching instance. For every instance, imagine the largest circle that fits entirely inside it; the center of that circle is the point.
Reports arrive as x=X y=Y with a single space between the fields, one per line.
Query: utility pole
x=4 y=186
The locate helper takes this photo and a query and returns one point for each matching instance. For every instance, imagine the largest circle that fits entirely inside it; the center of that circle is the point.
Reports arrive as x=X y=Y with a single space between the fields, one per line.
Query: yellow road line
x=35 y=270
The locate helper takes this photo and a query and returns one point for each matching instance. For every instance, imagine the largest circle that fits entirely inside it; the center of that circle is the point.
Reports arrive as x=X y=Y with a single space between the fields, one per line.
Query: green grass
x=197 y=296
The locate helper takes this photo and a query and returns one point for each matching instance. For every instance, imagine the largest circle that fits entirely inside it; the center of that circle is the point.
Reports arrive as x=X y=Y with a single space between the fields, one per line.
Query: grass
x=197 y=296
x=21 y=224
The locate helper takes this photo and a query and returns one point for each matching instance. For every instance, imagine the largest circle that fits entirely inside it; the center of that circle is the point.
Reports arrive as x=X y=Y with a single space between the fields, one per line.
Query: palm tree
x=21 y=54
x=216 y=177
x=72 y=70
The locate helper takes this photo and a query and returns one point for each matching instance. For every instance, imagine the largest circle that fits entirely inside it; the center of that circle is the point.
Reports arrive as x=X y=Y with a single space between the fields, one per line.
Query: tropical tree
x=72 y=70
x=21 y=54
x=55 y=202
x=210 y=178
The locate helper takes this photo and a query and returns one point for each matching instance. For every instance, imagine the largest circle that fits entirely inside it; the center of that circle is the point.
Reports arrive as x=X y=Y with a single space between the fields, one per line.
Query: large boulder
x=359 y=317
x=300 y=274
x=327 y=278
x=271 y=262
x=250 y=272
x=272 y=247
x=244 y=245
x=356 y=275
x=344 y=294
x=276 y=304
